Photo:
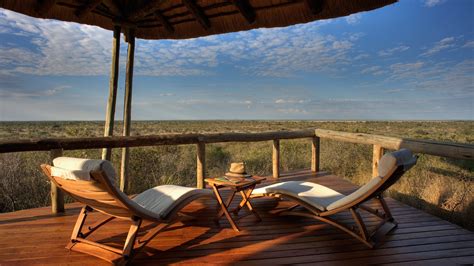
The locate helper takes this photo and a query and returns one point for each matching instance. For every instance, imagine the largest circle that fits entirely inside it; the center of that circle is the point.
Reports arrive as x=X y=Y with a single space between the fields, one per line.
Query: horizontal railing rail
x=431 y=147
x=149 y=140
x=57 y=145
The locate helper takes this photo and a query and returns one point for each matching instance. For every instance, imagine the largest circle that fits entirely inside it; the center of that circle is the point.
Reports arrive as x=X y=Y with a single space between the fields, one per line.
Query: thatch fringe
x=181 y=19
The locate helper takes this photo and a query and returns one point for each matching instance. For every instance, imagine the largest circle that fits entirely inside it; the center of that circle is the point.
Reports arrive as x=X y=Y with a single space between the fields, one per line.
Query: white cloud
x=405 y=70
x=168 y=94
x=63 y=48
x=469 y=44
x=353 y=19
x=290 y=101
x=374 y=70
x=432 y=3
x=56 y=90
x=361 y=56
x=439 y=46
x=391 y=51
x=292 y=111
x=11 y=93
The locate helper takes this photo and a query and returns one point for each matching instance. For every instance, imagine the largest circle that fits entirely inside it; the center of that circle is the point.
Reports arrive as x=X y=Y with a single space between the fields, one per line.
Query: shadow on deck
x=37 y=237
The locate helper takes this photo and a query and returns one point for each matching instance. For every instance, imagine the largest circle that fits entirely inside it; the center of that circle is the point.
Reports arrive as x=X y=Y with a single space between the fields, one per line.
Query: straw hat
x=237 y=170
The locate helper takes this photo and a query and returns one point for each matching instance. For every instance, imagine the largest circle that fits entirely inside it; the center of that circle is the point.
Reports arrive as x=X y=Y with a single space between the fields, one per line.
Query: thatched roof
x=180 y=19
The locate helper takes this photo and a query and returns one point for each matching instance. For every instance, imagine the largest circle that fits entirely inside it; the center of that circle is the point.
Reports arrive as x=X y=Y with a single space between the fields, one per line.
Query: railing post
x=377 y=154
x=127 y=108
x=113 y=84
x=57 y=197
x=276 y=158
x=201 y=164
x=315 y=144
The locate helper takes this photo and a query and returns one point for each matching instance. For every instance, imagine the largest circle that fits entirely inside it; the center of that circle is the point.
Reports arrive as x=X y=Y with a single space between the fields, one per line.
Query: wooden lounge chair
x=321 y=202
x=92 y=182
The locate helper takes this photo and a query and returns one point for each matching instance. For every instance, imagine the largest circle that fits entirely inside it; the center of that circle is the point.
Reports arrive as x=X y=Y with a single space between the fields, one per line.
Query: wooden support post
x=316 y=6
x=127 y=112
x=315 y=154
x=57 y=197
x=201 y=164
x=198 y=13
x=246 y=10
x=377 y=154
x=276 y=158
x=113 y=83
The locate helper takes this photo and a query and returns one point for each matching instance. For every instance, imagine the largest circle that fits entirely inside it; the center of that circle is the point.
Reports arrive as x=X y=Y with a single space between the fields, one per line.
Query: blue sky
x=410 y=60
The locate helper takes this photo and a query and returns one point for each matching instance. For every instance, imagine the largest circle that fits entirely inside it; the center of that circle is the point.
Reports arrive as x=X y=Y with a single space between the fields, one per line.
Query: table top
x=255 y=180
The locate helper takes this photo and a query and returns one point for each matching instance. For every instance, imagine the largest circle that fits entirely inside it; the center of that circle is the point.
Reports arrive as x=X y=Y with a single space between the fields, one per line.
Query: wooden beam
x=114 y=8
x=162 y=19
x=113 y=84
x=432 y=147
x=315 y=152
x=437 y=148
x=150 y=140
x=316 y=6
x=198 y=13
x=44 y=6
x=88 y=7
x=57 y=196
x=201 y=164
x=127 y=112
x=245 y=9
x=145 y=10
x=377 y=155
x=276 y=158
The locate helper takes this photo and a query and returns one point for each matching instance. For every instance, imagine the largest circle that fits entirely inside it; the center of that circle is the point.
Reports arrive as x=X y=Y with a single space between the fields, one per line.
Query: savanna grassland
x=441 y=186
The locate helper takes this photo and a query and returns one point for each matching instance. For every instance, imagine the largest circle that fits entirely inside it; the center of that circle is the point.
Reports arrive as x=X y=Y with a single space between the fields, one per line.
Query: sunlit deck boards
x=36 y=236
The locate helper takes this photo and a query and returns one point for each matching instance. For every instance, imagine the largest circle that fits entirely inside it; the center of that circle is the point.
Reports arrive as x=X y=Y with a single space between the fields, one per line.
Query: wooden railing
x=57 y=145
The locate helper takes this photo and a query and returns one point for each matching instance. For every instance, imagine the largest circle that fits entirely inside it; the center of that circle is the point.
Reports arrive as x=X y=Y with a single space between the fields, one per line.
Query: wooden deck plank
x=419 y=238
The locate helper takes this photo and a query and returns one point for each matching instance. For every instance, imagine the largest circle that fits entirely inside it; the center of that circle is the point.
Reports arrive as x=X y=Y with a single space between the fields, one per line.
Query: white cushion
x=163 y=199
x=386 y=164
x=402 y=157
x=70 y=175
x=356 y=194
x=79 y=169
x=314 y=194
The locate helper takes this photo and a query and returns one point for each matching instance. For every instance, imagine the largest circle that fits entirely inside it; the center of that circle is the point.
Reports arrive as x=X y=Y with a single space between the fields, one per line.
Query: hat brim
x=230 y=174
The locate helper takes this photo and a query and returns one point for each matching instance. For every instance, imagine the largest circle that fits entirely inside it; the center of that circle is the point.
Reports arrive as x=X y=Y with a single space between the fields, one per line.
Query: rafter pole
x=162 y=19
x=44 y=6
x=316 y=6
x=113 y=7
x=88 y=7
x=145 y=10
x=198 y=13
x=245 y=9
x=113 y=84
x=127 y=112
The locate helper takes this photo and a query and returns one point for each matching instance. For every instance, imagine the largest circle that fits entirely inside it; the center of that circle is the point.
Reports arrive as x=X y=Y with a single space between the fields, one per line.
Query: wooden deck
x=36 y=236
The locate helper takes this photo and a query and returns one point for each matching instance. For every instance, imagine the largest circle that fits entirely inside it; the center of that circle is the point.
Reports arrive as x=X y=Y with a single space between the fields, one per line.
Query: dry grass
x=437 y=185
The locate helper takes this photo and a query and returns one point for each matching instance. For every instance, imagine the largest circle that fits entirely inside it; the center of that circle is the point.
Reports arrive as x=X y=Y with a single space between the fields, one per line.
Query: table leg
x=226 y=204
x=224 y=208
x=247 y=194
x=245 y=198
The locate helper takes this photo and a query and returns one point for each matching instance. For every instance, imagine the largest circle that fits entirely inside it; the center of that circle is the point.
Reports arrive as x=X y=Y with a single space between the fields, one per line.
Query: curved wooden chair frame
x=361 y=233
x=100 y=194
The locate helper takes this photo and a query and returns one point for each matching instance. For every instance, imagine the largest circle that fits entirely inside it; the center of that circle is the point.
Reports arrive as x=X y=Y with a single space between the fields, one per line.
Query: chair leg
x=143 y=241
x=76 y=232
x=132 y=235
x=334 y=223
x=388 y=213
x=96 y=226
x=360 y=223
